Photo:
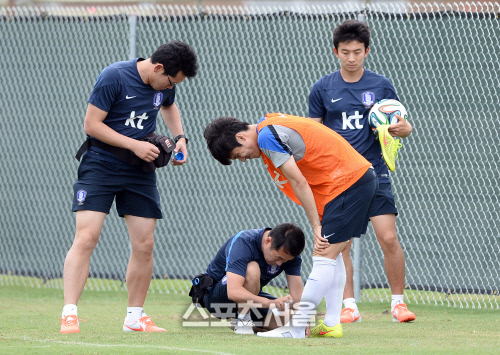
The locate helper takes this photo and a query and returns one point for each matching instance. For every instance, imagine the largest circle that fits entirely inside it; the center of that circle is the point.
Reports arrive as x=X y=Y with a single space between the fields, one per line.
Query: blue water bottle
x=179 y=156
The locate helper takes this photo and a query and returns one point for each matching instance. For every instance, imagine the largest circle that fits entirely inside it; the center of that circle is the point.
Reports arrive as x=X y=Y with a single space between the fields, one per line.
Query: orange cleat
x=401 y=314
x=350 y=315
x=143 y=324
x=70 y=324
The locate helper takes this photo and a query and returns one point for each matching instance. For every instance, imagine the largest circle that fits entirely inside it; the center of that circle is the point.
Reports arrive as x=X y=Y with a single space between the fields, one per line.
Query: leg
x=394 y=259
x=252 y=278
x=76 y=266
x=140 y=266
x=349 y=288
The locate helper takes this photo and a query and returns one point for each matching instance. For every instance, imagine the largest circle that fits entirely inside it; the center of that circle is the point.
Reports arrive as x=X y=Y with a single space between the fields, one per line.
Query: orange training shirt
x=330 y=165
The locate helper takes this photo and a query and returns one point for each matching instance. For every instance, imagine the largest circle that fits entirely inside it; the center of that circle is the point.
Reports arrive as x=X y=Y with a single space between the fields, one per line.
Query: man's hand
x=401 y=129
x=180 y=147
x=145 y=150
x=320 y=243
x=279 y=303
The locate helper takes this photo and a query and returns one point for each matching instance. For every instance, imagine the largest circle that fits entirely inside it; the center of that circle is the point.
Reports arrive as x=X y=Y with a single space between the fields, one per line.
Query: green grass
x=29 y=325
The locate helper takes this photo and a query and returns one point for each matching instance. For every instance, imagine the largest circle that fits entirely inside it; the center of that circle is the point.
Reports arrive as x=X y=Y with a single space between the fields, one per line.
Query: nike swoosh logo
x=328 y=236
x=140 y=329
x=385 y=141
x=129 y=97
x=323 y=333
x=336 y=100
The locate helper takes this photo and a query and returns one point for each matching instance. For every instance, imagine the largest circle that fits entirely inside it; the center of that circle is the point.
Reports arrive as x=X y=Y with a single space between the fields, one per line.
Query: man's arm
x=295 y=286
x=319 y=120
x=94 y=126
x=172 y=119
x=304 y=193
x=237 y=293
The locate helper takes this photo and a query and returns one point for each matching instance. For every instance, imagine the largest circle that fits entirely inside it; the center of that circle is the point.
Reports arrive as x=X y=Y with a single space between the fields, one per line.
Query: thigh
x=141 y=230
x=139 y=197
x=217 y=302
x=347 y=215
x=92 y=190
x=384 y=201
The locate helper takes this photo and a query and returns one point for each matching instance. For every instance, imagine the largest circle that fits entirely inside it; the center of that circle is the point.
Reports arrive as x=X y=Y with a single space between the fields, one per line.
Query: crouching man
x=242 y=267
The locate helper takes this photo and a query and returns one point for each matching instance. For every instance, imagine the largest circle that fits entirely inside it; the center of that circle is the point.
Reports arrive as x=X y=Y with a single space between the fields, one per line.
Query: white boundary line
x=113 y=345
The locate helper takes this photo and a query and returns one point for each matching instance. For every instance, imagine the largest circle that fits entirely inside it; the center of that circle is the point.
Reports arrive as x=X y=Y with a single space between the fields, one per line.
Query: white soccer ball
x=384 y=112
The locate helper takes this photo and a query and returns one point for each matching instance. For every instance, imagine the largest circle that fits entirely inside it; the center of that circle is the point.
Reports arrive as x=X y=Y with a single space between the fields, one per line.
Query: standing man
x=122 y=110
x=342 y=101
x=246 y=263
x=316 y=168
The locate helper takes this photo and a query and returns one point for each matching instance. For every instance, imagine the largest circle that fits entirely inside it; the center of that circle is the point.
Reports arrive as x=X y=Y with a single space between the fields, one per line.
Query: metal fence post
x=132 y=21
x=356 y=278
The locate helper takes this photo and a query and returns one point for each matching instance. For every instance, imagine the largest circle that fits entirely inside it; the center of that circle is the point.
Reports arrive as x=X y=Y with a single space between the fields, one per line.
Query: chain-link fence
x=442 y=58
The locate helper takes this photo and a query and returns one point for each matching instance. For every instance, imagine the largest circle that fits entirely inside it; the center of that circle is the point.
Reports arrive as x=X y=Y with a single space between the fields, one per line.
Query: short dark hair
x=221 y=137
x=290 y=237
x=351 y=30
x=176 y=56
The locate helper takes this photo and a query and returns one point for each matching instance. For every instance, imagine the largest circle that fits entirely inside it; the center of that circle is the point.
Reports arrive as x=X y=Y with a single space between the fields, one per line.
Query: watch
x=181 y=136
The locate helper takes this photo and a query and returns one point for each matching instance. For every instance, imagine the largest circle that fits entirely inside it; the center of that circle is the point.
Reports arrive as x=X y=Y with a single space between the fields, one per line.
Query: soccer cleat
x=350 y=315
x=143 y=324
x=389 y=146
x=233 y=323
x=244 y=327
x=401 y=314
x=286 y=331
x=322 y=330
x=70 y=324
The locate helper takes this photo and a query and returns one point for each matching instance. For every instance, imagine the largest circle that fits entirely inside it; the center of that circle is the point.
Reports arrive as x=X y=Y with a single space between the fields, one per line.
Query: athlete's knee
x=252 y=277
x=85 y=240
x=389 y=242
x=145 y=246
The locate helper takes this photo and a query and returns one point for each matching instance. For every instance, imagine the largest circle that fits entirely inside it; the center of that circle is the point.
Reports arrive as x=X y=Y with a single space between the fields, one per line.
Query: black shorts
x=384 y=201
x=347 y=215
x=99 y=182
x=220 y=306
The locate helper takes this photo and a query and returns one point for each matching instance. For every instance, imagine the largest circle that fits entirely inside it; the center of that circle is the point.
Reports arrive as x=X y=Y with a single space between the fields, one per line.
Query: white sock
x=244 y=317
x=350 y=303
x=69 y=310
x=396 y=299
x=318 y=283
x=334 y=294
x=134 y=313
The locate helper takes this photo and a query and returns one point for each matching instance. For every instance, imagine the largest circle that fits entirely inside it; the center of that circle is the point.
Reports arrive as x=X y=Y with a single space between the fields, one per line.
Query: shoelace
x=72 y=320
x=394 y=148
x=146 y=320
x=347 y=311
x=400 y=307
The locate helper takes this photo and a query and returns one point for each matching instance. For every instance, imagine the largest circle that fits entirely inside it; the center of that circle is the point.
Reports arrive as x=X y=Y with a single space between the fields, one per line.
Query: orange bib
x=330 y=165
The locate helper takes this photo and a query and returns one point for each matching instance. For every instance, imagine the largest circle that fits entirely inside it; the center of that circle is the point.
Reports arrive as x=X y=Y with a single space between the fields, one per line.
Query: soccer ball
x=384 y=112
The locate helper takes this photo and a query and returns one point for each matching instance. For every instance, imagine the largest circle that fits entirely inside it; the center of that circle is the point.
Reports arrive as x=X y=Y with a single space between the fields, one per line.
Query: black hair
x=176 y=56
x=290 y=237
x=221 y=137
x=352 y=30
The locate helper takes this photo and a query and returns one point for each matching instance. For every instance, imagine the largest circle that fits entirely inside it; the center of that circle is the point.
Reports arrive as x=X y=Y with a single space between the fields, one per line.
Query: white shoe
x=233 y=323
x=244 y=327
x=283 y=332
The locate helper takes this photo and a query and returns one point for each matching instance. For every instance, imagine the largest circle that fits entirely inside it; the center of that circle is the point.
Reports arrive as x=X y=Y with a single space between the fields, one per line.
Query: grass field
x=29 y=324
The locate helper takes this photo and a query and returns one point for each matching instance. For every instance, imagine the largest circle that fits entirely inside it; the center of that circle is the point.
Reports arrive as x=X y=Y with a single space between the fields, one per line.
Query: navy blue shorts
x=99 y=182
x=347 y=215
x=220 y=306
x=384 y=201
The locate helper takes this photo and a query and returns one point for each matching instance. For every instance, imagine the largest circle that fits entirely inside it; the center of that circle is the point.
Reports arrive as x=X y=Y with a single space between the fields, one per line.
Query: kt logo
x=347 y=121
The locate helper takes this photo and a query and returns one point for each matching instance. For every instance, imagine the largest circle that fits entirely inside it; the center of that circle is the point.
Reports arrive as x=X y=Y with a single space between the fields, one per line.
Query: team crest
x=224 y=280
x=368 y=98
x=273 y=269
x=158 y=99
x=80 y=196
